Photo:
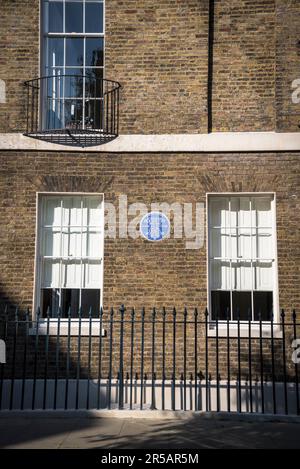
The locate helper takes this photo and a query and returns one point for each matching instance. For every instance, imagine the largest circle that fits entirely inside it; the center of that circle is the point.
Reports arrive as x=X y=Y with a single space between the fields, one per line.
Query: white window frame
x=44 y=51
x=244 y=325
x=37 y=274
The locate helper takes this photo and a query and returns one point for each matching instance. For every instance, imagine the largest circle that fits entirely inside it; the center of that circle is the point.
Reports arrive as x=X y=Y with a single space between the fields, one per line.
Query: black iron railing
x=72 y=110
x=158 y=359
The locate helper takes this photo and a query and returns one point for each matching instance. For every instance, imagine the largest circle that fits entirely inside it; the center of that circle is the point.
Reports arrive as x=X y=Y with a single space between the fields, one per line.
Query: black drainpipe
x=211 y=24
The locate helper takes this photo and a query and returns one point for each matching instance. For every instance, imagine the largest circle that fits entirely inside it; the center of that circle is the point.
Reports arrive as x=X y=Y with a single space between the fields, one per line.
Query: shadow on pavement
x=117 y=433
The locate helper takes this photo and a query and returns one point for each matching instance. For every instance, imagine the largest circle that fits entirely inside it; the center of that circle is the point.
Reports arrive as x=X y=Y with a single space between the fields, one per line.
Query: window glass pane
x=49 y=299
x=244 y=212
x=234 y=208
x=223 y=243
x=73 y=83
x=90 y=300
x=72 y=211
x=93 y=243
x=263 y=305
x=93 y=83
x=54 y=117
x=52 y=211
x=264 y=275
x=51 y=242
x=220 y=275
x=263 y=208
x=92 y=274
x=70 y=300
x=71 y=273
x=241 y=273
x=220 y=304
x=55 y=17
x=94 y=206
x=51 y=274
x=241 y=305
x=71 y=242
x=219 y=212
x=244 y=243
x=94 y=113
x=94 y=52
x=73 y=114
x=55 y=84
x=263 y=244
x=74 y=17
x=55 y=51
x=74 y=52
x=93 y=17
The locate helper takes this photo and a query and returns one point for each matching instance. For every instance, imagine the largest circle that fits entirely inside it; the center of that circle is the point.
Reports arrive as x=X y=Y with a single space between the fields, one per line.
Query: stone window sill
x=244 y=331
x=64 y=328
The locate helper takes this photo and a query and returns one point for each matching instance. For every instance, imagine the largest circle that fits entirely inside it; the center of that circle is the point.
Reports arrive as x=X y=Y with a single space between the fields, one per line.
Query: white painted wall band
x=216 y=142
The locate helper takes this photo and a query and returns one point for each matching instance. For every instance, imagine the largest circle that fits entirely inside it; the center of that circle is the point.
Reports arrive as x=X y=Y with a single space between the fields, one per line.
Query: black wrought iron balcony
x=72 y=110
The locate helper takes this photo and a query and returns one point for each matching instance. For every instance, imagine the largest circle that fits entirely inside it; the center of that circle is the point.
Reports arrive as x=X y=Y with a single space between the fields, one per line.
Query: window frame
x=37 y=268
x=44 y=53
x=233 y=323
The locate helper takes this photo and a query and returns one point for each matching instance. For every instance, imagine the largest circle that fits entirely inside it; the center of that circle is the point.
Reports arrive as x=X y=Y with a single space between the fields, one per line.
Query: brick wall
x=287 y=64
x=160 y=55
x=243 y=72
x=19 y=58
x=138 y=272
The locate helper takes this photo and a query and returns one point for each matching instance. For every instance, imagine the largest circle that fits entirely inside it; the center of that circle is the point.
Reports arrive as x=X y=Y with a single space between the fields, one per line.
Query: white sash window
x=242 y=257
x=73 y=56
x=70 y=254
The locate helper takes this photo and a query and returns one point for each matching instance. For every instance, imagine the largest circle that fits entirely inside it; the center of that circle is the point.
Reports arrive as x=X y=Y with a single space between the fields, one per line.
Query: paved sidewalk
x=131 y=433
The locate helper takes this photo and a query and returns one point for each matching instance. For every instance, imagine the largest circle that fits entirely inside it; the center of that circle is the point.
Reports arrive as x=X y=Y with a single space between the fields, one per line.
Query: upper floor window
x=74 y=32
x=242 y=257
x=73 y=53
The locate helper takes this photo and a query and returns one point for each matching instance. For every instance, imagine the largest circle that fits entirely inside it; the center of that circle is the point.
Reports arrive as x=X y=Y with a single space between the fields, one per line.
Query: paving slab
x=131 y=433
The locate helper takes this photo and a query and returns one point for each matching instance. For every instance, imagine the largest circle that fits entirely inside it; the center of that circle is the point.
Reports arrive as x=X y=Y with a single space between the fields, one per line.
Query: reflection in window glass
x=74 y=52
x=55 y=51
x=73 y=114
x=55 y=23
x=93 y=84
x=54 y=116
x=74 y=17
x=93 y=17
x=94 y=52
x=73 y=83
x=94 y=113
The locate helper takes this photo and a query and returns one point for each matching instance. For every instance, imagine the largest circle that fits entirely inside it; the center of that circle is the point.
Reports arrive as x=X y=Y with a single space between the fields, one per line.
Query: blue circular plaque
x=155 y=226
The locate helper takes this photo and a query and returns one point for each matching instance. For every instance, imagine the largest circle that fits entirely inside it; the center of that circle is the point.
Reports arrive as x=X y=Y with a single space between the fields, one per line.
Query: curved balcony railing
x=72 y=110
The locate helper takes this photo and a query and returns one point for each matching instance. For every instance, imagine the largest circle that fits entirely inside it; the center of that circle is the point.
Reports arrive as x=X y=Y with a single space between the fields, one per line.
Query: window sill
x=244 y=331
x=64 y=328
